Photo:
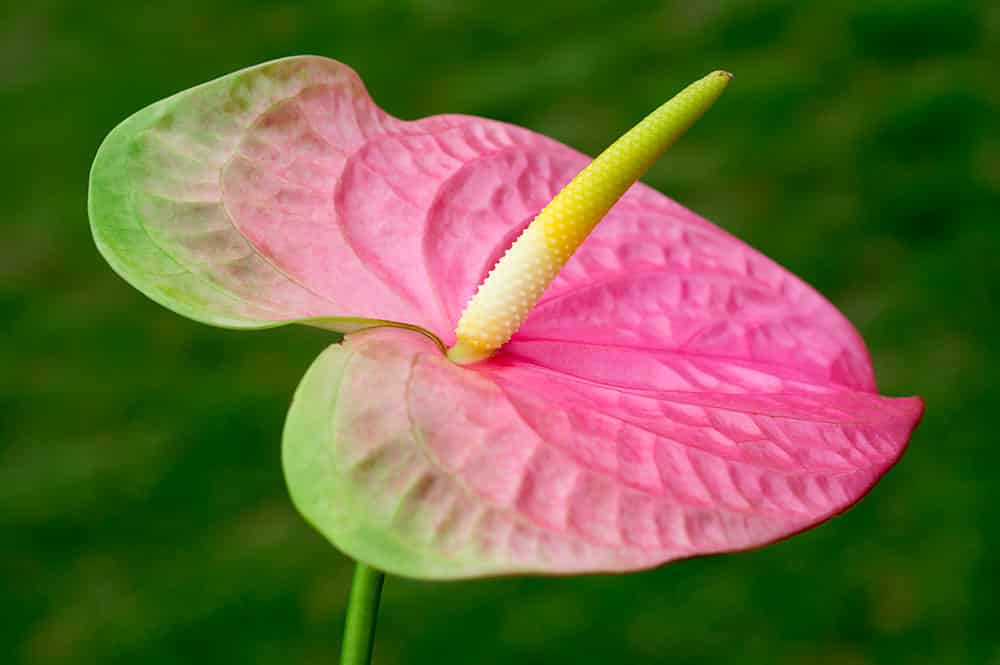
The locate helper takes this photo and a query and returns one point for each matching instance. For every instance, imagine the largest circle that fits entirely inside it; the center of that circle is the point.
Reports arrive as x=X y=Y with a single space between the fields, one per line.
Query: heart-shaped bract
x=673 y=393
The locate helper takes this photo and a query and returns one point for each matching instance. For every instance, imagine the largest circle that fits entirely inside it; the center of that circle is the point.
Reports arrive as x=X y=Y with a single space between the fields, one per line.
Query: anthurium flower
x=672 y=392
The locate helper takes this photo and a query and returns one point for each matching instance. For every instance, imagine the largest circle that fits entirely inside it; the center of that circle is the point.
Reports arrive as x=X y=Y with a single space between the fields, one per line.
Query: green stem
x=362 y=613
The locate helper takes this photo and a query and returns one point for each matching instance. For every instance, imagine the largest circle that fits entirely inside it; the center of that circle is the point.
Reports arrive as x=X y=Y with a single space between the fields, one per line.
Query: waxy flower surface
x=672 y=393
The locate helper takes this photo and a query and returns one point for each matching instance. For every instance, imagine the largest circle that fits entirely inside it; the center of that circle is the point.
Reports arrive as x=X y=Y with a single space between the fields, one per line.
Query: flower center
x=526 y=269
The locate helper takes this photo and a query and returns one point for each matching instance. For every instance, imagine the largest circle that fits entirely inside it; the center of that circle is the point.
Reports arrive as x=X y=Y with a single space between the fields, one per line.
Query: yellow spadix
x=520 y=277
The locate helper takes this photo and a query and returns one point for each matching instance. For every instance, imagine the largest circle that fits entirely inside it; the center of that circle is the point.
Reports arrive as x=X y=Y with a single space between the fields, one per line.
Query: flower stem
x=362 y=613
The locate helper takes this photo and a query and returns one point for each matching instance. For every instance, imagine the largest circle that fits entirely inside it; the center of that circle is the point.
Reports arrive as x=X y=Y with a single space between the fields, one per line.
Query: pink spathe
x=673 y=393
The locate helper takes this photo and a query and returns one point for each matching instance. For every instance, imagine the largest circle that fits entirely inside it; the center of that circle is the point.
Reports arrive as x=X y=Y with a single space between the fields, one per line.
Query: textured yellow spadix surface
x=520 y=277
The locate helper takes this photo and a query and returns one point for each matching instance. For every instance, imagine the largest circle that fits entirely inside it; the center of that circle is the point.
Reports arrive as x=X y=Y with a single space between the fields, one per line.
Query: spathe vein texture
x=673 y=393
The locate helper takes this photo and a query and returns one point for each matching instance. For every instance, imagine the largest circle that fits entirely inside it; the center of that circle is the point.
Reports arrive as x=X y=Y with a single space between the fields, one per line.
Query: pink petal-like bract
x=674 y=392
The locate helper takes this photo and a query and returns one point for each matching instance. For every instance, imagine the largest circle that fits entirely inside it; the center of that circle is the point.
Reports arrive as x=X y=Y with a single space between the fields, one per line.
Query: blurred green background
x=143 y=512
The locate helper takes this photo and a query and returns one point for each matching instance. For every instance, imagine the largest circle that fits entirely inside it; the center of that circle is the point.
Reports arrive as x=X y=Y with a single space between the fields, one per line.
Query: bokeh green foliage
x=143 y=513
